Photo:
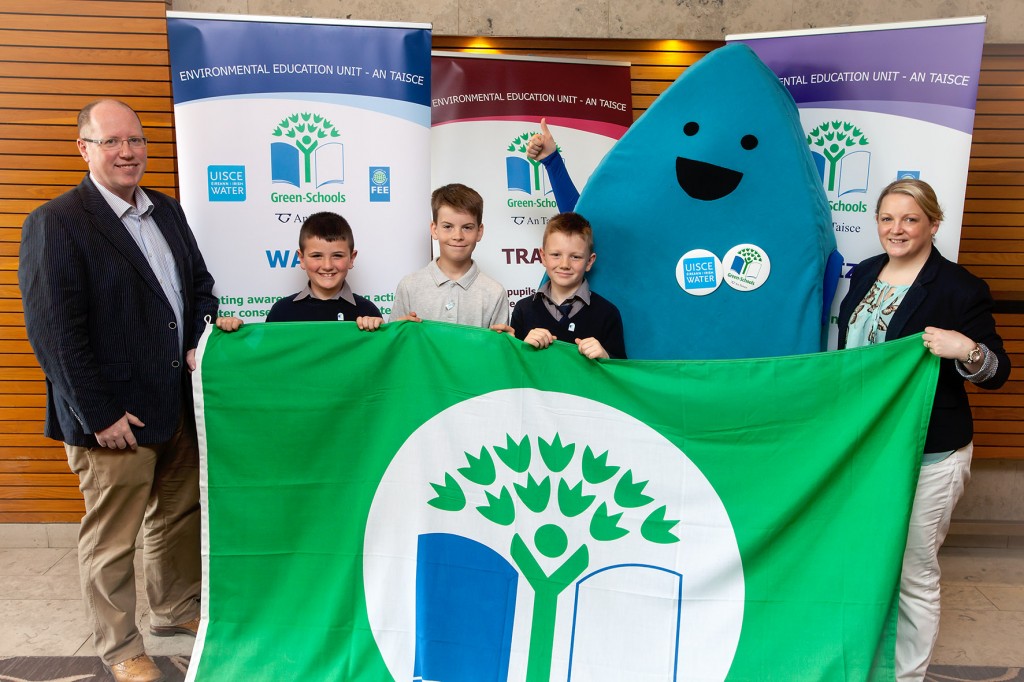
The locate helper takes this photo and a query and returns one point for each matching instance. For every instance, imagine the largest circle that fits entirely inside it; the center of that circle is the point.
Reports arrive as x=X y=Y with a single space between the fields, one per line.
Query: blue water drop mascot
x=715 y=233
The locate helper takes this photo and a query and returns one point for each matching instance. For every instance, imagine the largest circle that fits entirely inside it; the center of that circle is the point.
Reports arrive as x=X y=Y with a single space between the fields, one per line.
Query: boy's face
x=457 y=234
x=326 y=263
x=566 y=259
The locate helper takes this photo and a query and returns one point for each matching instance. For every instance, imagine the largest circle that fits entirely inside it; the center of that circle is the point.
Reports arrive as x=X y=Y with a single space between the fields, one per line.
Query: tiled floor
x=41 y=609
x=982 y=607
x=41 y=601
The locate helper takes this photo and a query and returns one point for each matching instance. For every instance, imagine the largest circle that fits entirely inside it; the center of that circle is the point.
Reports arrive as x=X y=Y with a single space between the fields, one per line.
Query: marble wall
x=633 y=19
x=995 y=493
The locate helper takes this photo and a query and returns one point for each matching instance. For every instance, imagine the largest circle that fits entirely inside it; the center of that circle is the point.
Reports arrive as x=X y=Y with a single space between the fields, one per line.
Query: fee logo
x=380 y=184
x=840 y=154
x=307 y=151
x=225 y=183
x=548 y=555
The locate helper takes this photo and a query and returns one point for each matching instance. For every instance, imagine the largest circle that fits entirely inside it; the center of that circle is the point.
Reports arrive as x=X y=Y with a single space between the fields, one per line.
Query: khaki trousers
x=155 y=487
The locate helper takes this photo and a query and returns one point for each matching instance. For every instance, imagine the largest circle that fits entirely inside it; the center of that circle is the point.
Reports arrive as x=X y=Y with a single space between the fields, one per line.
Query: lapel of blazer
x=108 y=224
x=916 y=295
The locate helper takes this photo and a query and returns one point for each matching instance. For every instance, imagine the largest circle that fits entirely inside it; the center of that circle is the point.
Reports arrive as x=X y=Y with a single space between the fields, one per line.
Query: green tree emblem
x=518 y=144
x=835 y=139
x=749 y=256
x=306 y=130
x=560 y=493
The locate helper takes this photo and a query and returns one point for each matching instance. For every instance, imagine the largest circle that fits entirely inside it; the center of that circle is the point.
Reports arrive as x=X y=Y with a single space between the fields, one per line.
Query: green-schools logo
x=526 y=175
x=840 y=153
x=560 y=539
x=748 y=267
x=306 y=151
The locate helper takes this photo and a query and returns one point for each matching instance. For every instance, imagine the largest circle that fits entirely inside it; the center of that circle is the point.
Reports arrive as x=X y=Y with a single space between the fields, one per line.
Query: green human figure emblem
x=560 y=494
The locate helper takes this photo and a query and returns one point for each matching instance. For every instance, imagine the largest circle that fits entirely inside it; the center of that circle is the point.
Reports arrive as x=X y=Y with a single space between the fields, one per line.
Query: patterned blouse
x=870 y=319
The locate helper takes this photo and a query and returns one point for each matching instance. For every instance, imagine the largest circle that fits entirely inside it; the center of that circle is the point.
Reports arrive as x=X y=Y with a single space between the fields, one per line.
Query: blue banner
x=242 y=57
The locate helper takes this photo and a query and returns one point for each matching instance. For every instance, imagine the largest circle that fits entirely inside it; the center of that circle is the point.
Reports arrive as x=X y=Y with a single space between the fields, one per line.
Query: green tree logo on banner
x=306 y=130
x=571 y=498
x=835 y=139
x=518 y=144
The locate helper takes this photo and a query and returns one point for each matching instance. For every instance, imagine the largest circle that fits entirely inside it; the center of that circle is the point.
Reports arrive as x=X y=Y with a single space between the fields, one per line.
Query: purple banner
x=879 y=103
x=925 y=72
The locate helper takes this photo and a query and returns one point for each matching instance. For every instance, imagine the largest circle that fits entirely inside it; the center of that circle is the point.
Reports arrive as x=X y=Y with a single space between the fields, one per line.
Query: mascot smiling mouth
x=705 y=181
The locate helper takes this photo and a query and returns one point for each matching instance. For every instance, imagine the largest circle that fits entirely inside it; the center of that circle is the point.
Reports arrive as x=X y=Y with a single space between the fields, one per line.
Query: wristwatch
x=975 y=355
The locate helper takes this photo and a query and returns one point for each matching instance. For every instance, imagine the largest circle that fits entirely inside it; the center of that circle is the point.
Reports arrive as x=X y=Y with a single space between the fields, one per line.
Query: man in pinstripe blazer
x=115 y=294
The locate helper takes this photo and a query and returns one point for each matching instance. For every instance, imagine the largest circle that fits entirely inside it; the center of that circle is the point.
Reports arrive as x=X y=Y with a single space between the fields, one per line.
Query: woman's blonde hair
x=918 y=190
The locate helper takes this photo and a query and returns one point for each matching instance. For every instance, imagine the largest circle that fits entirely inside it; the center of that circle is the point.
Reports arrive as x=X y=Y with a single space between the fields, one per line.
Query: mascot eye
x=748 y=142
x=691 y=128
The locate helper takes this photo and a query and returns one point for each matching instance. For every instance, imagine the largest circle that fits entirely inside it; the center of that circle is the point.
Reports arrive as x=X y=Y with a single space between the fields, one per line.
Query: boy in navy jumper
x=565 y=308
x=326 y=252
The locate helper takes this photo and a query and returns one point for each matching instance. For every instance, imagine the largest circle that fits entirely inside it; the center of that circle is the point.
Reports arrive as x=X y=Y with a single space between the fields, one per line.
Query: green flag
x=433 y=502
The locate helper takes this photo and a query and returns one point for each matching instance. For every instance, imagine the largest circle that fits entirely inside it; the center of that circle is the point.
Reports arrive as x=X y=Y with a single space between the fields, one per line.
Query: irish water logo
x=525 y=175
x=838 y=148
x=307 y=152
x=564 y=554
x=380 y=183
x=225 y=183
x=699 y=272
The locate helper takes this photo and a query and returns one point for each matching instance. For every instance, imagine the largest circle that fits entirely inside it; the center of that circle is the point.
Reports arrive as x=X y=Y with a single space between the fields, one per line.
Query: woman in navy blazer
x=909 y=289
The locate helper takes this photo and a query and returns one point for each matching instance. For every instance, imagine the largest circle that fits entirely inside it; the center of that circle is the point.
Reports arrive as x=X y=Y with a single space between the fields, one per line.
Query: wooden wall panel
x=56 y=55
x=992 y=241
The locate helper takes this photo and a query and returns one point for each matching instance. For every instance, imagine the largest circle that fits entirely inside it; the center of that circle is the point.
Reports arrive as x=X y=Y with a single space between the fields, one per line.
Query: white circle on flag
x=669 y=610
x=699 y=272
x=746 y=267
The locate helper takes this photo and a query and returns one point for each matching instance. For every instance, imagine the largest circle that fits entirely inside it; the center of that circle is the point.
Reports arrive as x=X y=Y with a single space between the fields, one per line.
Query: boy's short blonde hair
x=460 y=198
x=571 y=224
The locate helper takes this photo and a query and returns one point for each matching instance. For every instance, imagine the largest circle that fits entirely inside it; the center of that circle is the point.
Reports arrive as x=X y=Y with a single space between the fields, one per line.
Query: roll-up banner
x=279 y=118
x=485 y=108
x=878 y=103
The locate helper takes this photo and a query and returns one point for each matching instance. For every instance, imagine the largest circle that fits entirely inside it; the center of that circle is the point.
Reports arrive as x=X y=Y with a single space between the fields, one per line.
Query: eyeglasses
x=111 y=143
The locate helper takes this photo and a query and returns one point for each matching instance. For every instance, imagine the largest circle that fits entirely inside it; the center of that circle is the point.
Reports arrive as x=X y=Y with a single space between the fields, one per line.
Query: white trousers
x=939 y=488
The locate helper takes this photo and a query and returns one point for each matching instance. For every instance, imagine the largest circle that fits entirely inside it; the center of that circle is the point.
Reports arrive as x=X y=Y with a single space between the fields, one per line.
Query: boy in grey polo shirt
x=452 y=288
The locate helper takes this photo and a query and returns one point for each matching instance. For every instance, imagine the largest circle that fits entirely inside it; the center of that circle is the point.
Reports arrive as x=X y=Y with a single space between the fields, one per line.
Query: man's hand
x=119 y=436
x=190 y=361
x=411 y=317
x=503 y=329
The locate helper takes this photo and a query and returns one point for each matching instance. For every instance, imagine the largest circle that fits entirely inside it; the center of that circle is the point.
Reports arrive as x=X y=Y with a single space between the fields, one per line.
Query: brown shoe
x=189 y=627
x=138 y=669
